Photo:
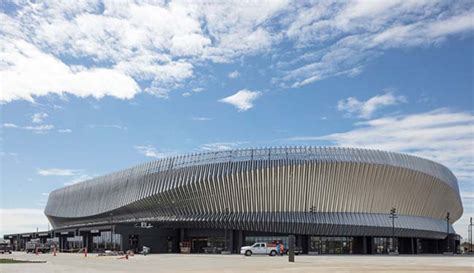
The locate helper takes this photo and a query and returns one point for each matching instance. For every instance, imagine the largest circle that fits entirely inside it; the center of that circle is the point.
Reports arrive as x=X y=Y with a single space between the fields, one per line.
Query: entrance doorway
x=133 y=242
x=198 y=245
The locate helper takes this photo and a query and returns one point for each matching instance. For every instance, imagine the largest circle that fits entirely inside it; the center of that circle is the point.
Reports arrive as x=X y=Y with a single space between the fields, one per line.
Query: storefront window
x=214 y=245
x=383 y=245
x=107 y=242
x=74 y=243
x=331 y=245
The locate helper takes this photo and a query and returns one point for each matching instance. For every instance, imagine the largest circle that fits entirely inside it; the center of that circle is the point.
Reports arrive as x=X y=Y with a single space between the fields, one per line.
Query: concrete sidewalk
x=238 y=263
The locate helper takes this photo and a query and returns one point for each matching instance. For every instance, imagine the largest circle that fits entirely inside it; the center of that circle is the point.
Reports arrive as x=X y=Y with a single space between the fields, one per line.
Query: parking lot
x=237 y=263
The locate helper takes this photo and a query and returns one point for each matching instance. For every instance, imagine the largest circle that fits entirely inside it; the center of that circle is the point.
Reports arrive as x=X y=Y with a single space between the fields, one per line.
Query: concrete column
x=230 y=240
x=176 y=240
x=372 y=245
x=308 y=240
x=182 y=235
x=412 y=245
x=364 y=245
x=304 y=243
x=240 y=239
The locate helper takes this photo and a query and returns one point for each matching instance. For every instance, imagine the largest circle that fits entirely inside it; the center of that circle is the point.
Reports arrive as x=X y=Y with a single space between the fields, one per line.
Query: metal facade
x=349 y=191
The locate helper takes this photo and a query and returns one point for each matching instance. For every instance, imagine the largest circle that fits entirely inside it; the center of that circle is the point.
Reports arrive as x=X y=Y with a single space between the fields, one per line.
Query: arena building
x=334 y=200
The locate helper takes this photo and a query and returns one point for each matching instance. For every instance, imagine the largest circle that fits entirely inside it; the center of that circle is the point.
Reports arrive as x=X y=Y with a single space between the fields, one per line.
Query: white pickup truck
x=259 y=248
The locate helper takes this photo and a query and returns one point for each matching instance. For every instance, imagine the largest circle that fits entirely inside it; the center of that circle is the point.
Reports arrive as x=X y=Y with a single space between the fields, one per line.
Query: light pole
x=393 y=215
x=112 y=229
x=470 y=239
x=447 y=230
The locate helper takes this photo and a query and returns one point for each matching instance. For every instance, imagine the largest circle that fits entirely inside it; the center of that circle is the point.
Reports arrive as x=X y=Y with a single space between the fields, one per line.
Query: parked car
x=5 y=248
x=259 y=248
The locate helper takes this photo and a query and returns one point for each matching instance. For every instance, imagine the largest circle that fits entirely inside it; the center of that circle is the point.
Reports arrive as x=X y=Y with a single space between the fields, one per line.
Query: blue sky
x=93 y=87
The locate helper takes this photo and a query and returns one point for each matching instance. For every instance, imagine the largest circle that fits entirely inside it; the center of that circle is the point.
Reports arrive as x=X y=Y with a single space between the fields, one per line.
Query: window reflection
x=331 y=245
x=384 y=244
x=107 y=242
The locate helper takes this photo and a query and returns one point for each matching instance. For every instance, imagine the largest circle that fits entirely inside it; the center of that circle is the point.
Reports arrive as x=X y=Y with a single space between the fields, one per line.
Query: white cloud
x=57 y=172
x=39 y=128
x=124 y=43
x=242 y=100
x=19 y=220
x=31 y=72
x=234 y=74
x=344 y=36
x=194 y=90
x=78 y=177
x=36 y=129
x=201 y=118
x=365 y=109
x=74 y=176
x=38 y=117
x=9 y=125
x=132 y=47
x=150 y=151
x=113 y=126
x=198 y=89
x=468 y=196
x=221 y=146
x=64 y=131
x=440 y=135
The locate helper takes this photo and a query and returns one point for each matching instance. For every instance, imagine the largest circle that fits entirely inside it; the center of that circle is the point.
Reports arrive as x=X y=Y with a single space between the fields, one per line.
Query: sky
x=91 y=87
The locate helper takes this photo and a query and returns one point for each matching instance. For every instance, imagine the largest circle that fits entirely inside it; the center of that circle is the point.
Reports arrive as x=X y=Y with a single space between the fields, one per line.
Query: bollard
x=291 y=248
x=54 y=250
x=85 y=252
x=36 y=250
x=126 y=256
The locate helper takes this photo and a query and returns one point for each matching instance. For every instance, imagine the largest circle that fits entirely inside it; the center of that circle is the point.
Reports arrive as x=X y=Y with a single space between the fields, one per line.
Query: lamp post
x=470 y=238
x=447 y=230
x=112 y=229
x=393 y=215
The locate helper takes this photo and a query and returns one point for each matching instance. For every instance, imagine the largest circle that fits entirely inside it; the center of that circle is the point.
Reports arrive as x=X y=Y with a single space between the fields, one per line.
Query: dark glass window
x=331 y=245
x=384 y=244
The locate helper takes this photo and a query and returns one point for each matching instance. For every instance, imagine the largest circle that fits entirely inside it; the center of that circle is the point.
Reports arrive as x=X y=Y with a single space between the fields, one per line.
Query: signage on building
x=43 y=234
x=95 y=231
x=64 y=233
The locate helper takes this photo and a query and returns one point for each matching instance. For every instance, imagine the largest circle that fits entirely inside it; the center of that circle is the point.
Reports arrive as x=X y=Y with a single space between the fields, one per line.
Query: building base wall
x=201 y=240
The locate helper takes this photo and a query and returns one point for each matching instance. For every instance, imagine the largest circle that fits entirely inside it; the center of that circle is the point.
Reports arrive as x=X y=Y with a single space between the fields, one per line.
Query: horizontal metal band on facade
x=265 y=181
x=324 y=224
